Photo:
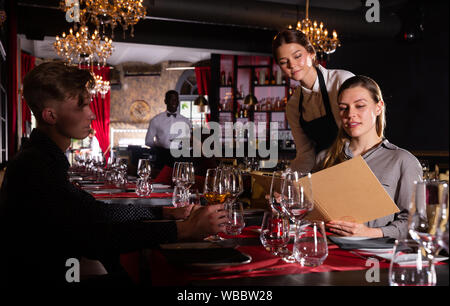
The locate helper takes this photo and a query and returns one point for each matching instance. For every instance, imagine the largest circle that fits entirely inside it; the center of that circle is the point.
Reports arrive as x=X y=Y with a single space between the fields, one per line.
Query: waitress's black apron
x=322 y=131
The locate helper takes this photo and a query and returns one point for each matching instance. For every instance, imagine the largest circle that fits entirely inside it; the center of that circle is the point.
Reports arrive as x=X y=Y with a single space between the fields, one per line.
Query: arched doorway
x=187 y=89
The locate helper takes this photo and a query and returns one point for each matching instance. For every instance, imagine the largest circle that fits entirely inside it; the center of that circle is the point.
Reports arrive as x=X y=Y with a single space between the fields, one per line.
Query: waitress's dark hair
x=289 y=36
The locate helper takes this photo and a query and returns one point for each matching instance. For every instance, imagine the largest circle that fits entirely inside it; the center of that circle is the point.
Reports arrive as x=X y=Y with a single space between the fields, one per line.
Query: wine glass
x=409 y=265
x=179 y=198
x=296 y=198
x=442 y=230
x=426 y=214
x=296 y=195
x=144 y=168
x=275 y=232
x=215 y=190
x=275 y=191
x=186 y=174
x=175 y=173
x=143 y=187
x=310 y=245
x=236 y=221
x=235 y=184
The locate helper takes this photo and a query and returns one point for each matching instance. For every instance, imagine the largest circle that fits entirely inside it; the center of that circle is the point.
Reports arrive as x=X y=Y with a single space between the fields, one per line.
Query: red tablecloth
x=166 y=274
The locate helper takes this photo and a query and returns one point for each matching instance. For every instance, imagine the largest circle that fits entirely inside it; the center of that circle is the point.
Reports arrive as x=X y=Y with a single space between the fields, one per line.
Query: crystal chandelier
x=85 y=49
x=103 y=13
x=101 y=87
x=82 y=48
x=317 y=35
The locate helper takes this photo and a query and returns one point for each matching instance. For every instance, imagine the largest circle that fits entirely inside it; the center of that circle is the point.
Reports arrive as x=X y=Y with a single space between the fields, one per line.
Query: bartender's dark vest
x=322 y=131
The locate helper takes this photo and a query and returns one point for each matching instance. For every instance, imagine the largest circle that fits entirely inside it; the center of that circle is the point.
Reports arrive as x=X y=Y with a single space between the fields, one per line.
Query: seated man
x=45 y=220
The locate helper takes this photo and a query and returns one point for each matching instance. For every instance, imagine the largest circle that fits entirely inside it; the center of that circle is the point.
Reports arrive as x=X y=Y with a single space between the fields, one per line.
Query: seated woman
x=362 y=115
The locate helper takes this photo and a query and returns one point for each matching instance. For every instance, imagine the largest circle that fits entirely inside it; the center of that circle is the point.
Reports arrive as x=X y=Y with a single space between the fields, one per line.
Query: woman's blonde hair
x=335 y=154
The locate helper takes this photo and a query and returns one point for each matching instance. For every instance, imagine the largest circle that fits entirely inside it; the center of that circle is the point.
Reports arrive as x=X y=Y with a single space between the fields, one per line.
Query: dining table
x=193 y=263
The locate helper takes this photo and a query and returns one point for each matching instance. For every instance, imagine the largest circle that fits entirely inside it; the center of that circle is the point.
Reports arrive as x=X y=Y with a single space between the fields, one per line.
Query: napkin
x=369 y=243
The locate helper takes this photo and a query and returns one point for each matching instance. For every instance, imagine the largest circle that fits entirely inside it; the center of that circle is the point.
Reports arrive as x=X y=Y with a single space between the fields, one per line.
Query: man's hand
x=203 y=221
x=345 y=228
x=177 y=213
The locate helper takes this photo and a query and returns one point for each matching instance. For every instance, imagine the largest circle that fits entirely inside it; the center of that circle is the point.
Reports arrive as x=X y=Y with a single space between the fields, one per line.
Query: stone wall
x=148 y=88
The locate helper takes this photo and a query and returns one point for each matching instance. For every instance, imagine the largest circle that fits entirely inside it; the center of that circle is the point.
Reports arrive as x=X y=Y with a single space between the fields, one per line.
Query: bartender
x=158 y=134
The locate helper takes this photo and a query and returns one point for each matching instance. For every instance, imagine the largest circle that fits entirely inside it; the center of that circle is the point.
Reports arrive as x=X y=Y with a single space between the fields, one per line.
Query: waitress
x=312 y=111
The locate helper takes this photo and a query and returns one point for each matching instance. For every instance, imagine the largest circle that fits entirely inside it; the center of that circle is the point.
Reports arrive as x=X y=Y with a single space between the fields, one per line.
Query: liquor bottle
x=230 y=79
x=255 y=78
x=262 y=77
x=223 y=81
x=279 y=76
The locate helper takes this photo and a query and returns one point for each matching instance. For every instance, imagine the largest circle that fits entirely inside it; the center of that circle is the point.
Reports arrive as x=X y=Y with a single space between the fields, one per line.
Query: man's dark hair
x=55 y=81
x=169 y=93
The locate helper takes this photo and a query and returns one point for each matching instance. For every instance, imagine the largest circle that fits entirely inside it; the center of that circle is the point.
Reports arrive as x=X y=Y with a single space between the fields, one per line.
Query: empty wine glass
x=428 y=212
x=442 y=230
x=236 y=221
x=296 y=194
x=175 y=173
x=144 y=168
x=310 y=244
x=235 y=184
x=275 y=191
x=179 y=198
x=143 y=187
x=409 y=265
x=275 y=232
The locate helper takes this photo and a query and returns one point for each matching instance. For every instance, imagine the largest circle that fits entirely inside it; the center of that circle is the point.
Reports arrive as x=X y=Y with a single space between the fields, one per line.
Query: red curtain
x=12 y=84
x=203 y=76
x=27 y=62
x=101 y=108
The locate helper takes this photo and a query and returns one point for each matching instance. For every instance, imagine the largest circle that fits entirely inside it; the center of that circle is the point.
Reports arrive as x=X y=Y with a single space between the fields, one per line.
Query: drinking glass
x=143 y=187
x=296 y=194
x=175 y=179
x=179 y=198
x=144 y=168
x=409 y=265
x=235 y=184
x=236 y=221
x=275 y=232
x=310 y=244
x=442 y=230
x=215 y=190
x=428 y=214
x=186 y=174
x=275 y=191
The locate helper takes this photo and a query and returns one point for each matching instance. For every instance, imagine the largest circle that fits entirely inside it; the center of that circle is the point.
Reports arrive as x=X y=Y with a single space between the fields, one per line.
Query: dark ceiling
x=241 y=25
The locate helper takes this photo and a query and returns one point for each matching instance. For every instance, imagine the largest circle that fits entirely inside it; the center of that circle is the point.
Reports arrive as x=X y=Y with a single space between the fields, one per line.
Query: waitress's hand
x=345 y=228
x=276 y=195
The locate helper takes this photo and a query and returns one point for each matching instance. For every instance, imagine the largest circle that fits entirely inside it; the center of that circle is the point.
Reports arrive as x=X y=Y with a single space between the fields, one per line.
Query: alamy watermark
x=213 y=146
x=373 y=13
x=73 y=11
x=73 y=273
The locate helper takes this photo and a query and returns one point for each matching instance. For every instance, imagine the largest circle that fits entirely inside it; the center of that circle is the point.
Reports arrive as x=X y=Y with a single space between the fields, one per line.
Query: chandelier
x=82 y=48
x=101 y=87
x=104 y=13
x=85 y=49
x=317 y=35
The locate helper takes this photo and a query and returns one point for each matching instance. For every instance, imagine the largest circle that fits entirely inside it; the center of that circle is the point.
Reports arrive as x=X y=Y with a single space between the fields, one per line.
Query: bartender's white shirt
x=166 y=131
